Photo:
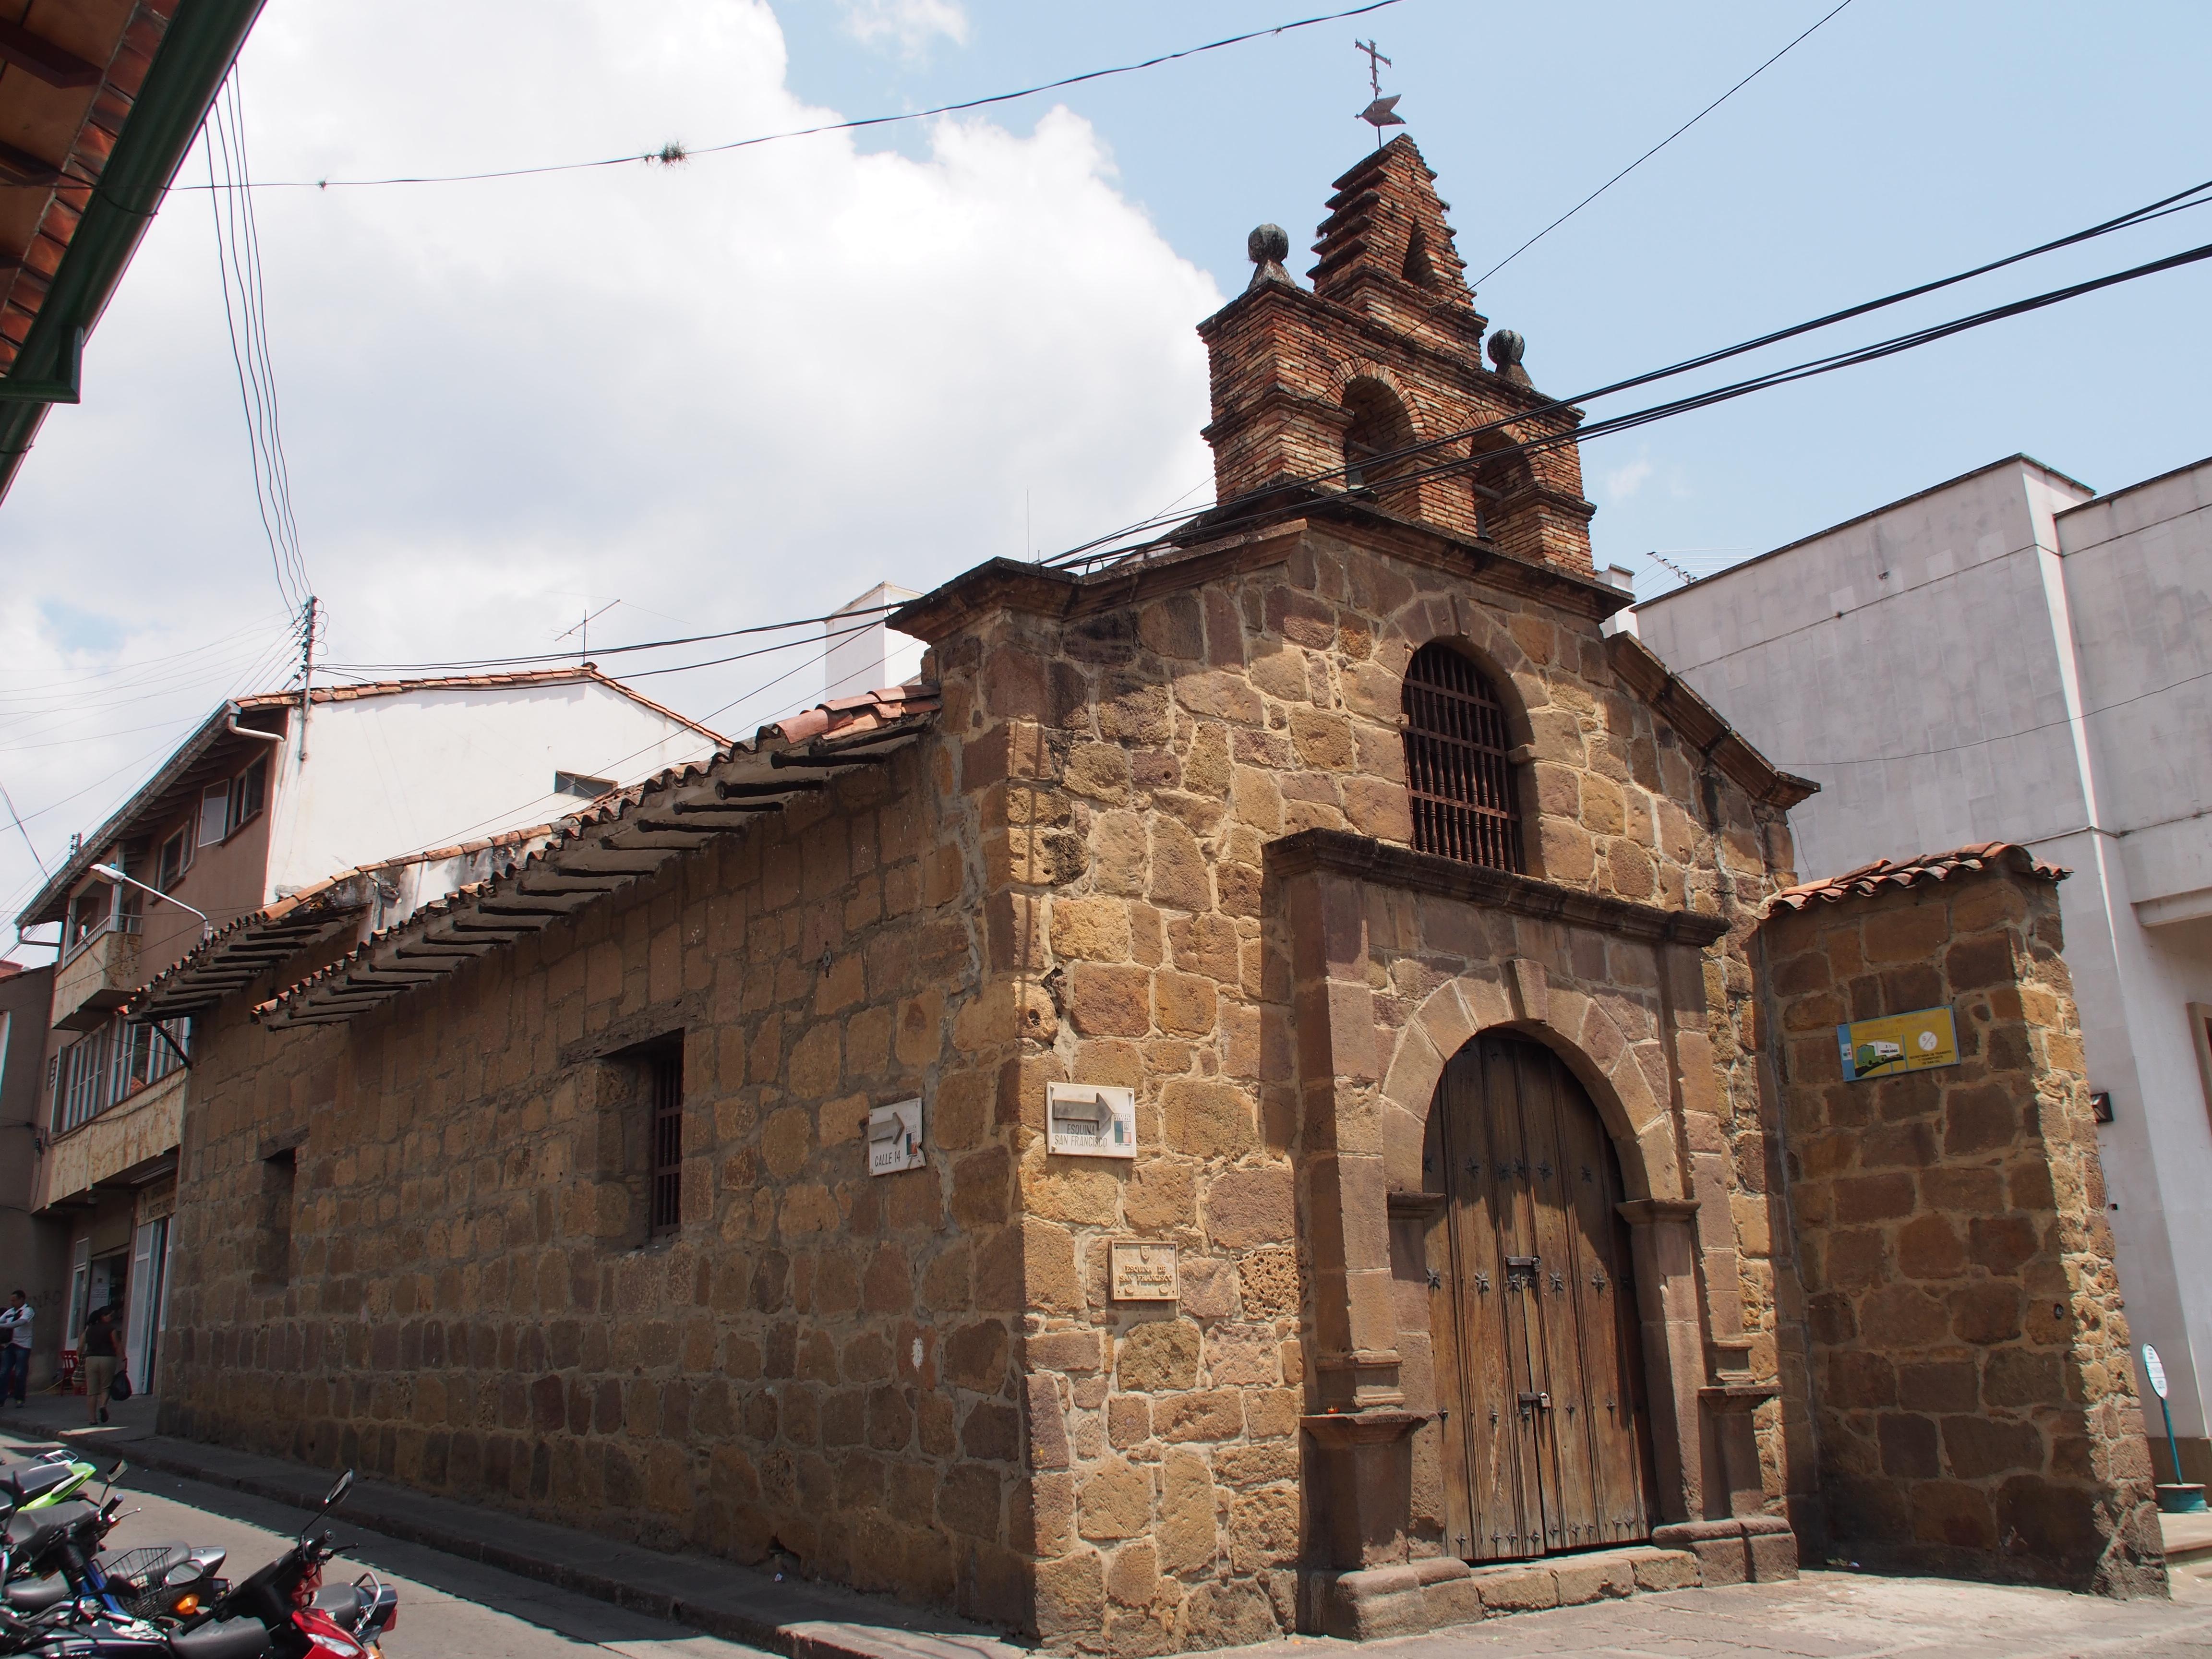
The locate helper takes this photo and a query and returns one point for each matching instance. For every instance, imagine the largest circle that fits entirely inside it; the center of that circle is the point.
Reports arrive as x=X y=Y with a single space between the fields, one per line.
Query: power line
x=2007 y=736
x=613 y=650
x=237 y=256
x=1652 y=151
x=671 y=154
x=1097 y=549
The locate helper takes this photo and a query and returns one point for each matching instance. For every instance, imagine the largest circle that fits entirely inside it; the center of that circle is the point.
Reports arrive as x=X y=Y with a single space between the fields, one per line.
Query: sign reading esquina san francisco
x=1897 y=1043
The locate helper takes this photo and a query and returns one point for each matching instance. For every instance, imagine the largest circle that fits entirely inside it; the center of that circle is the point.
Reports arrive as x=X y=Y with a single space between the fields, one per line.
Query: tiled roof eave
x=1879 y=877
x=622 y=838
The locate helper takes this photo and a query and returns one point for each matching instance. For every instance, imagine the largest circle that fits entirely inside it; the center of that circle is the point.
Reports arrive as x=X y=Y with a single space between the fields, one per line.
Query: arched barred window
x=1456 y=774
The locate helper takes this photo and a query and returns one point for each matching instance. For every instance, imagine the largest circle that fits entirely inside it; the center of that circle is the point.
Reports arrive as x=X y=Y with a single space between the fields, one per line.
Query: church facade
x=1292 y=1084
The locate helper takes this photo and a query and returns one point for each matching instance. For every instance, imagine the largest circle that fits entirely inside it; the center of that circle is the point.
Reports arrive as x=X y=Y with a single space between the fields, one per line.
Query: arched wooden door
x=1537 y=1368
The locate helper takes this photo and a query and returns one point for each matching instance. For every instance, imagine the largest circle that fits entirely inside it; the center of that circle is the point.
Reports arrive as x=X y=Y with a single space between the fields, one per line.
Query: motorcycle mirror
x=331 y=1499
x=117 y=1473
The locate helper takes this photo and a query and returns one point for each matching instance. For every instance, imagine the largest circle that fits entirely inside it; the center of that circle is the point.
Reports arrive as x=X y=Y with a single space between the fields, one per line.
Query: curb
x=801 y=1621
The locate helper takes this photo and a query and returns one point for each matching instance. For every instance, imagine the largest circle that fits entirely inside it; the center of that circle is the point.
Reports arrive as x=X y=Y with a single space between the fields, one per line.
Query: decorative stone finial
x=1506 y=351
x=1267 y=246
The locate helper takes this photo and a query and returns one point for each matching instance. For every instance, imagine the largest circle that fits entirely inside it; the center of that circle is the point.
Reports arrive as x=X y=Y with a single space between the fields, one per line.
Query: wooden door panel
x=1495 y=1475
x=1571 y=1507
x=1605 y=1312
x=1532 y=1306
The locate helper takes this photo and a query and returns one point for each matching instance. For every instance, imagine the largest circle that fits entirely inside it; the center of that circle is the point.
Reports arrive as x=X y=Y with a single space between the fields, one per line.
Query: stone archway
x=1609 y=1063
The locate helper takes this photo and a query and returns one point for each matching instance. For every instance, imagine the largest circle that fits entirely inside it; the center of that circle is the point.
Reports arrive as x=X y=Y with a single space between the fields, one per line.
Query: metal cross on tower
x=1382 y=112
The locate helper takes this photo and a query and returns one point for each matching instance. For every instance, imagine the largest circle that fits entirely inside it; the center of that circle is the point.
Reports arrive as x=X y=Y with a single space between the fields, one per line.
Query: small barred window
x=1456 y=773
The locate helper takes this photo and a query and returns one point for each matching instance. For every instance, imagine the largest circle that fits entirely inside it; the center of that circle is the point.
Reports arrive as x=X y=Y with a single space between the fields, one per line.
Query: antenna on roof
x=583 y=631
x=1384 y=111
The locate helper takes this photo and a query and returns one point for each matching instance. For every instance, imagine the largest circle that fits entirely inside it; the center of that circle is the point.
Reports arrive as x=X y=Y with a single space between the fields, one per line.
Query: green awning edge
x=201 y=43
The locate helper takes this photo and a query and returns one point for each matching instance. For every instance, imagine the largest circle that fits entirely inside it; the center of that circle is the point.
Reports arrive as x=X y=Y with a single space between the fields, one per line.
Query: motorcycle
x=282 y=1611
x=49 y=1478
x=167 y=1582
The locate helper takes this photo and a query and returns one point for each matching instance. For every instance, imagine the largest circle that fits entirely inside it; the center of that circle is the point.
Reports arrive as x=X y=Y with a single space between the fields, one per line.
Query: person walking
x=16 y=1346
x=98 y=1347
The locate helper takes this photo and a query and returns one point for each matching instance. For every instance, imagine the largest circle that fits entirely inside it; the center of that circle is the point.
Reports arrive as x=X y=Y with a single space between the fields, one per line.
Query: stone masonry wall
x=1972 y=1398
x=1149 y=754
x=819 y=1362
x=919 y=1383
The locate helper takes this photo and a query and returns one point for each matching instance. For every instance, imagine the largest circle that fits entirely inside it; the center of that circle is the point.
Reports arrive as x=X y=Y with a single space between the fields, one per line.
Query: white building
x=2011 y=657
x=277 y=826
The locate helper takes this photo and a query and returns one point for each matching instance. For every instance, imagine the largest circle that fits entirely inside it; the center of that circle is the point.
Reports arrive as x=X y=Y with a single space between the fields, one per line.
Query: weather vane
x=1384 y=111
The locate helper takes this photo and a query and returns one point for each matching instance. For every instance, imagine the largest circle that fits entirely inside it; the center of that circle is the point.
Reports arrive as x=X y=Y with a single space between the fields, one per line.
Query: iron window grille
x=1457 y=775
x=664 y=1091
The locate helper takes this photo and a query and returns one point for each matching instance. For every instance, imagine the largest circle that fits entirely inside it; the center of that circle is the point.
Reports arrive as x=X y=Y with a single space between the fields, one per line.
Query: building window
x=109 y=1065
x=176 y=859
x=215 y=812
x=575 y=783
x=280 y=1177
x=1456 y=772
x=249 y=791
x=664 y=1072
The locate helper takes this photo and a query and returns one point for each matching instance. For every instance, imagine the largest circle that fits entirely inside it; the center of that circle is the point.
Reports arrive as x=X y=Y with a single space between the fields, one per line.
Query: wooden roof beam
x=43 y=59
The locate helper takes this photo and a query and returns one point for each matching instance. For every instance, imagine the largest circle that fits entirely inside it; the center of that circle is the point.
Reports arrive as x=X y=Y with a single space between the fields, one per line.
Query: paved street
x=452 y=1607
x=447 y=1606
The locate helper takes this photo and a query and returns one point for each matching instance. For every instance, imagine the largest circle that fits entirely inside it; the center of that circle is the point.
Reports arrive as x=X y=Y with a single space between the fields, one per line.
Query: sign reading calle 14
x=1897 y=1043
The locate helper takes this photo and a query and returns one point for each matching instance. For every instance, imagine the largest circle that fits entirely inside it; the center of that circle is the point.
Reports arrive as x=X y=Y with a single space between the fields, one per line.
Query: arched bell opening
x=1535 y=1327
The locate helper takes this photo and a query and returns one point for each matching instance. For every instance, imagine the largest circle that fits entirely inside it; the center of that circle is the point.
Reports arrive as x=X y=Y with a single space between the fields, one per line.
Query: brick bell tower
x=1321 y=388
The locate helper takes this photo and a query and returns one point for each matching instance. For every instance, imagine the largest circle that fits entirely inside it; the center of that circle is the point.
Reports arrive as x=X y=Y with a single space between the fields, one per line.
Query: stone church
x=1289 y=1083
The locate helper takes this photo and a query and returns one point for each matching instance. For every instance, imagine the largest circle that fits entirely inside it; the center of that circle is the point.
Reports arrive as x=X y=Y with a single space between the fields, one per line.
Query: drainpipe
x=230 y=725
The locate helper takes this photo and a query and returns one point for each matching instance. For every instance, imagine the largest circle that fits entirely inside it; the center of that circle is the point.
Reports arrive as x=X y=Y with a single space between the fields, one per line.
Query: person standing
x=98 y=1347
x=16 y=1346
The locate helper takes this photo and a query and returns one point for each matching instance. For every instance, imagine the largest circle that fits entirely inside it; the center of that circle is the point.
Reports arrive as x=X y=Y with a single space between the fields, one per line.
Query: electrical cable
x=258 y=337
x=1089 y=552
x=1648 y=154
x=668 y=154
x=2007 y=736
x=611 y=650
x=237 y=363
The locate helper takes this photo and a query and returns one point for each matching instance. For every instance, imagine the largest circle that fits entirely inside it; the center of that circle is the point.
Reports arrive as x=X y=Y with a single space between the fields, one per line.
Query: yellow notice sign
x=1897 y=1043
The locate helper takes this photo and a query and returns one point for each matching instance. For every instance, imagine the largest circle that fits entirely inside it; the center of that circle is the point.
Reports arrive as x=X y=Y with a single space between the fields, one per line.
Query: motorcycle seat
x=344 y=1602
x=29 y=1535
x=37 y=1595
x=31 y=1481
x=235 y=1638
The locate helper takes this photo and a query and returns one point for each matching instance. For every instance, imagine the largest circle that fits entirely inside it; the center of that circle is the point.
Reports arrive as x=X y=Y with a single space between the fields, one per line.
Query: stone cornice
x=1698 y=721
x=1384 y=865
x=1268 y=537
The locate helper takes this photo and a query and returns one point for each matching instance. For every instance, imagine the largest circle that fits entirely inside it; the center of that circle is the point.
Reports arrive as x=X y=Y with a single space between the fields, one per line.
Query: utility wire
x=237 y=260
x=1648 y=154
x=2198 y=195
x=865 y=610
x=671 y=154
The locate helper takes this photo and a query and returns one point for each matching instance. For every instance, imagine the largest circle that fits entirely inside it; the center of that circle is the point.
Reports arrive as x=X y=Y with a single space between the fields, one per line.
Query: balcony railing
x=129 y=922
x=109 y=1065
x=98 y=976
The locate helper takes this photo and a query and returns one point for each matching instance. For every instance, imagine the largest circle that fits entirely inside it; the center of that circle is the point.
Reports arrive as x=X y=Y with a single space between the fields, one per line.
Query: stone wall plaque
x=1143 y=1272
x=895 y=1138
x=1089 y=1120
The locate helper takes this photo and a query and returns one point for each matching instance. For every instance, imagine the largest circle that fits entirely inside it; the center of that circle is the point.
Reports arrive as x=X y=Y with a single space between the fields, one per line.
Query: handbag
x=119 y=1389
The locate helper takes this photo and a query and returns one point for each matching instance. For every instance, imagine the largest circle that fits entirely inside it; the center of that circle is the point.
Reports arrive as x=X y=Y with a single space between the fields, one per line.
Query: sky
x=746 y=387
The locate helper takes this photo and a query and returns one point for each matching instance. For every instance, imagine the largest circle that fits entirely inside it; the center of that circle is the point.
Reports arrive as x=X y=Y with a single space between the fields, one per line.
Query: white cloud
x=913 y=24
x=746 y=388
x=1623 y=481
